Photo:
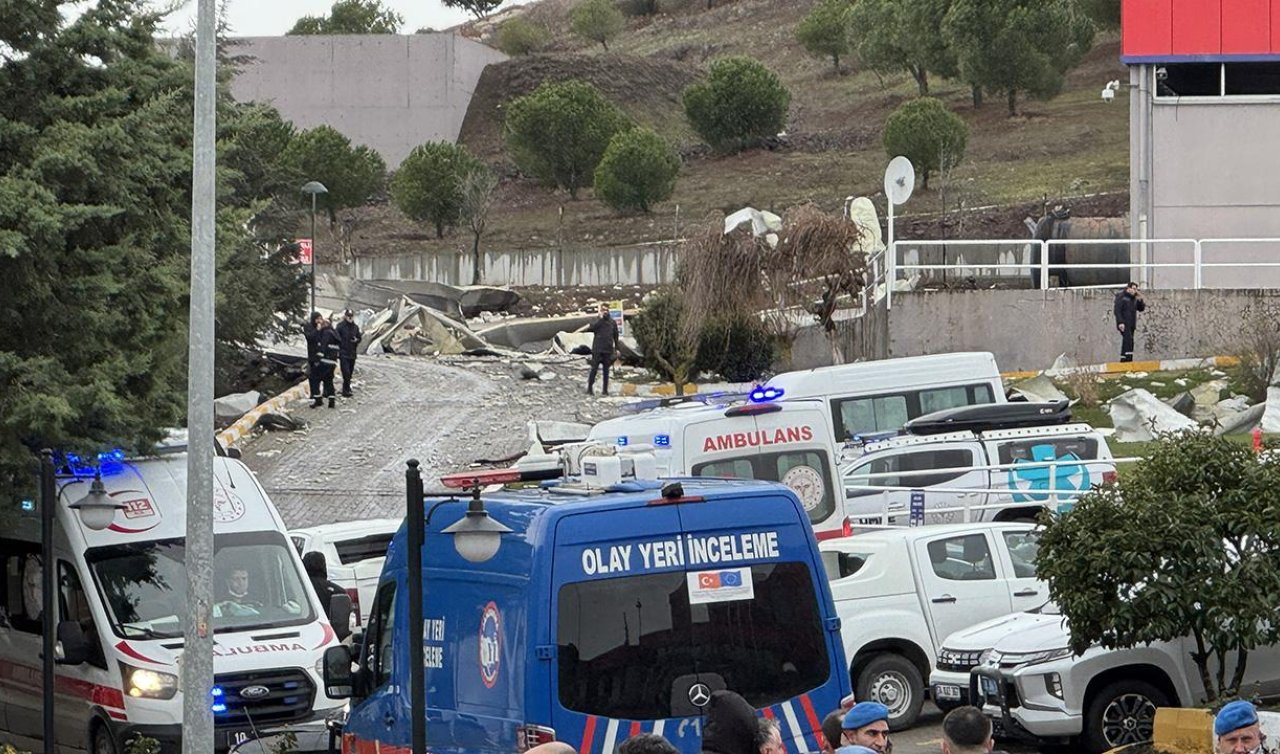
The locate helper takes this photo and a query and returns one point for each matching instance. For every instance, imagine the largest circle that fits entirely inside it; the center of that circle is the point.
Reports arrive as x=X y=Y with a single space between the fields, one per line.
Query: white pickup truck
x=900 y=591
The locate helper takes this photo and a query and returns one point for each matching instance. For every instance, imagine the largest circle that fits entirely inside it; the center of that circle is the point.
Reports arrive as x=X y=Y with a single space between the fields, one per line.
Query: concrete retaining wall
x=650 y=264
x=1029 y=329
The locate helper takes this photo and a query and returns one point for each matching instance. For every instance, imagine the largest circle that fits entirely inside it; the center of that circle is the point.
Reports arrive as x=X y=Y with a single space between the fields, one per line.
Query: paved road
x=926 y=737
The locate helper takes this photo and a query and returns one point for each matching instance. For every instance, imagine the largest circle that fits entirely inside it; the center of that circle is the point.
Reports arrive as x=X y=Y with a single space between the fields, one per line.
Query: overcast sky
x=268 y=18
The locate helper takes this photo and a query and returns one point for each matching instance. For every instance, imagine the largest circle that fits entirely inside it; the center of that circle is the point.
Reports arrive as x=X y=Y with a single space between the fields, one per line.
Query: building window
x=1218 y=80
x=1252 y=79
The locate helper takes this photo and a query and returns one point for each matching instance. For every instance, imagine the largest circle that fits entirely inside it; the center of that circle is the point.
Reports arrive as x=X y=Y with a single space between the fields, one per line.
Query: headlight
x=141 y=683
x=1036 y=658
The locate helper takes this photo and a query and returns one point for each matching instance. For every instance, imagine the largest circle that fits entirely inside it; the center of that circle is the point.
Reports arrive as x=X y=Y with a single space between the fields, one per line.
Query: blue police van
x=604 y=615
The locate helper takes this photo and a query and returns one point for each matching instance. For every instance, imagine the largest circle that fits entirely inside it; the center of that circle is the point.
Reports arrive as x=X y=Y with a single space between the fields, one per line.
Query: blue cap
x=863 y=714
x=855 y=749
x=1234 y=716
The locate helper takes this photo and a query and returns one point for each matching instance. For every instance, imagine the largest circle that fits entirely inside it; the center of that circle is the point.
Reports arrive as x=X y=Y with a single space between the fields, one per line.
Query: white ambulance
x=787 y=442
x=122 y=610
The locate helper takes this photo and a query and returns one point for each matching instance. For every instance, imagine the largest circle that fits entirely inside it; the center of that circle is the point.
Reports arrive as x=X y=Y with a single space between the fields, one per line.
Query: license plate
x=947 y=692
x=236 y=737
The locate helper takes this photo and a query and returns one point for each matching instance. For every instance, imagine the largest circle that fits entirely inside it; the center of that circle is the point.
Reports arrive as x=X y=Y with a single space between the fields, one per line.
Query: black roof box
x=991 y=416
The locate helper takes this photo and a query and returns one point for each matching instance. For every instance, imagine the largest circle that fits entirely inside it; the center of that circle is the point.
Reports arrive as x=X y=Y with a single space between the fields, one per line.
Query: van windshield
x=629 y=646
x=256 y=585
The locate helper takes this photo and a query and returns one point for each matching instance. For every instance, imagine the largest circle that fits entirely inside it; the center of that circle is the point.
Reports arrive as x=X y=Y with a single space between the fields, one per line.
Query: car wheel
x=896 y=683
x=102 y=742
x=1122 y=713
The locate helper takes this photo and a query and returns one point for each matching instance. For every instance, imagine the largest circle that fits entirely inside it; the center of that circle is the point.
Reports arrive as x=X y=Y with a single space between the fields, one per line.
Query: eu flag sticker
x=720 y=586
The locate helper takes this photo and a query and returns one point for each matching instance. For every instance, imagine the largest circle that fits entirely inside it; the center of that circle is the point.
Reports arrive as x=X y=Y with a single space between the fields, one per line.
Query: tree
x=597 y=21
x=477 y=8
x=478 y=185
x=520 y=36
x=559 y=132
x=428 y=186
x=638 y=169
x=1013 y=46
x=669 y=348
x=903 y=35
x=352 y=17
x=1104 y=13
x=352 y=174
x=741 y=103
x=928 y=134
x=1186 y=544
x=825 y=30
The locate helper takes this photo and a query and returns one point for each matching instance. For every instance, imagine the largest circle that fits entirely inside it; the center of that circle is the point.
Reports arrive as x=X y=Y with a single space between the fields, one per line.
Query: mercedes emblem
x=699 y=694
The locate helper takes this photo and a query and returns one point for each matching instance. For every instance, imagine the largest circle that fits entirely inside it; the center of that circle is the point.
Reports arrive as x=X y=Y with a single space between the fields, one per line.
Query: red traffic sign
x=304 y=251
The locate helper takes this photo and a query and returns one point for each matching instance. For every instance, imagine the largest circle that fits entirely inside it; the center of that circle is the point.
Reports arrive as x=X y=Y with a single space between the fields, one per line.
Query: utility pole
x=197 y=655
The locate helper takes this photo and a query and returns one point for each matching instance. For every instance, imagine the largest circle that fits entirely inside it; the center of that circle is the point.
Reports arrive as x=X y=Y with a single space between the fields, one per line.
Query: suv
x=962 y=651
x=1000 y=475
x=898 y=592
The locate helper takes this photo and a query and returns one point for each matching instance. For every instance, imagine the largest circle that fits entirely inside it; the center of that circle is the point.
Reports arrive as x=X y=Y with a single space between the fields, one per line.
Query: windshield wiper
x=148 y=632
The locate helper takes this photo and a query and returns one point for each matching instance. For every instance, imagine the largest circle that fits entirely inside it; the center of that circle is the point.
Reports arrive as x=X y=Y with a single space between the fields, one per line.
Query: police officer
x=311 y=331
x=327 y=348
x=348 y=338
x=1128 y=303
x=604 y=343
x=1236 y=729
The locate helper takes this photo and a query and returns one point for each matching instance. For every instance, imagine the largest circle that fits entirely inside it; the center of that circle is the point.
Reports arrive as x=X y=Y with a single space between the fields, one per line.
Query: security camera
x=1109 y=91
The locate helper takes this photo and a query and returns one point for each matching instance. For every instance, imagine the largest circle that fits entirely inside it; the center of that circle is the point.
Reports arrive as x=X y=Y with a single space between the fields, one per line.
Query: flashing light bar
x=766 y=394
x=28 y=506
x=468 y=480
x=219 y=700
x=753 y=409
x=662 y=441
x=622 y=441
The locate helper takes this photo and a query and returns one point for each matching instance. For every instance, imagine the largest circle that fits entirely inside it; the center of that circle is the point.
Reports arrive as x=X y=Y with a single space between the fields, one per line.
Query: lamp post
x=96 y=511
x=476 y=537
x=314 y=188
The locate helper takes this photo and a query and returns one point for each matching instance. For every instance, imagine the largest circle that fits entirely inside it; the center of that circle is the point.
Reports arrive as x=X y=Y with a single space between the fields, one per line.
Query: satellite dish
x=899 y=180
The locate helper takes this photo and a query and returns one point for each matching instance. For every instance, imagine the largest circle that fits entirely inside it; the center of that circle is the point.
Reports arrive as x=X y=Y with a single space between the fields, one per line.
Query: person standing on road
x=867 y=724
x=965 y=730
x=328 y=348
x=1128 y=303
x=1236 y=729
x=318 y=574
x=604 y=343
x=348 y=338
x=311 y=331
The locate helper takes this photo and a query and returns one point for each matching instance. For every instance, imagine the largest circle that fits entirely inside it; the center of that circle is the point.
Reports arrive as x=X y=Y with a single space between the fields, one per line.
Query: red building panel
x=1275 y=26
x=1197 y=27
x=1246 y=27
x=1148 y=27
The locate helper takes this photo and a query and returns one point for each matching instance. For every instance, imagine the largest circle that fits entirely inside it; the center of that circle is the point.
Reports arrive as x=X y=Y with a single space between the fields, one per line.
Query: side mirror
x=340 y=615
x=72 y=648
x=338 y=680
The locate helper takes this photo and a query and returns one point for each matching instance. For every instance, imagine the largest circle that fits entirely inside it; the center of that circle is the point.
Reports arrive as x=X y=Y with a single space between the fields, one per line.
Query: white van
x=787 y=442
x=123 y=609
x=874 y=397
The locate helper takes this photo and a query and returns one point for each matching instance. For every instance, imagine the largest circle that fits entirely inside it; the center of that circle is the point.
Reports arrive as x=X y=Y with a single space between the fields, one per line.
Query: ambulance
x=122 y=610
x=607 y=611
x=787 y=442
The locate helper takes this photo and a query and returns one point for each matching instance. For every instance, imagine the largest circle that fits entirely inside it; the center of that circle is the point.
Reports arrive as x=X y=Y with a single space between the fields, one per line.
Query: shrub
x=740 y=103
x=659 y=331
x=638 y=170
x=739 y=349
x=559 y=132
x=597 y=20
x=928 y=134
x=825 y=31
x=351 y=174
x=520 y=36
x=428 y=186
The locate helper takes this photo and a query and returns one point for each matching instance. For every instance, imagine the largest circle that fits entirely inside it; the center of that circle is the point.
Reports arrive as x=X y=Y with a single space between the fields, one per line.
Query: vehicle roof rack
x=988 y=417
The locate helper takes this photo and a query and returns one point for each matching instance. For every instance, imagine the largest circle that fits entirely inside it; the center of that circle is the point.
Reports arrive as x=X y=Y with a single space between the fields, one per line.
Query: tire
x=102 y=742
x=895 y=682
x=1121 y=713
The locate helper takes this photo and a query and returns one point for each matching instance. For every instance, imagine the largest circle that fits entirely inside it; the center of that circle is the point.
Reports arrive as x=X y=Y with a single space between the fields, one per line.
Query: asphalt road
x=926 y=737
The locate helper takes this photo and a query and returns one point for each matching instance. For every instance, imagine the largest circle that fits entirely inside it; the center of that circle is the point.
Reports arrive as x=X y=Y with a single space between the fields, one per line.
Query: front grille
x=958 y=660
x=288 y=697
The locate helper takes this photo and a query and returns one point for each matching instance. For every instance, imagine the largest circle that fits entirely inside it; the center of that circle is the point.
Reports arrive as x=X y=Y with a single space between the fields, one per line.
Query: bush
x=927 y=133
x=1259 y=352
x=351 y=174
x=428 y=186
x=638 y=170
x=559 y=132
x=597 y=20
x=739 y=349
x=825 y=31
x=520 y=36
x=741 y=103
x=659 y=331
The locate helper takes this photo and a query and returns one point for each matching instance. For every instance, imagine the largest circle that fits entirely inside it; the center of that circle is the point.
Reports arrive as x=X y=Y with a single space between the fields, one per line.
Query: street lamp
x=96 y=511
x=314 y=188
x=476 y=537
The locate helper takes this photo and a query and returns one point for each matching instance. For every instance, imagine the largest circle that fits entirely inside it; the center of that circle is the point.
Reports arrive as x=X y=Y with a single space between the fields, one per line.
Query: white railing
x=1189 y=255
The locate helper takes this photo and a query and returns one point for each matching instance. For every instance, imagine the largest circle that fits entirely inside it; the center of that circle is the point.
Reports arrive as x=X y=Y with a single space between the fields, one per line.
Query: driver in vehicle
x=236 y=600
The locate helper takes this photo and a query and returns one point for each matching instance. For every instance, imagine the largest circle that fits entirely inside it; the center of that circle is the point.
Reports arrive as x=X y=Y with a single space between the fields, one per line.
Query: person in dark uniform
x=318 y=573
x=328 y=348
x=311 y=331
x=603 y=345
x=1128 y=303
x=348 y=338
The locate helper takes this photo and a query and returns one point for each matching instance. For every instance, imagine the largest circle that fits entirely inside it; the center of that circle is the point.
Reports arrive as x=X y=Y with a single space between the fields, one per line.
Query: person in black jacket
x=604 y=343
x=348 y=338
x=729 y=725
x=327 y=361
x=1128 y=303
x=311 y=331
x=318 y=574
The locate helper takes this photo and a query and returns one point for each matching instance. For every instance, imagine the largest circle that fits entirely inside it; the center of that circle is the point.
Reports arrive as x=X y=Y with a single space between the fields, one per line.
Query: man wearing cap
x=867 y=724
x=1236 y=729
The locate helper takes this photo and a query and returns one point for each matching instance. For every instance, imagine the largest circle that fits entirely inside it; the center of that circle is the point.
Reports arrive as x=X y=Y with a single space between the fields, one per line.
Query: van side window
x=20 y=587
x=74 y=606
x=863 y=476
x=1049 y=448
x=963 y=558
x=923 y=460
x=873 y=414
x=1023 y=548
x=377 y=645
x=806 y=471
x=734 y=468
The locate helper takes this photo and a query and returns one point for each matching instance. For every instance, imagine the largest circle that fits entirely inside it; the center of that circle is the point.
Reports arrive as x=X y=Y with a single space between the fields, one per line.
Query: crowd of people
x=329 y=349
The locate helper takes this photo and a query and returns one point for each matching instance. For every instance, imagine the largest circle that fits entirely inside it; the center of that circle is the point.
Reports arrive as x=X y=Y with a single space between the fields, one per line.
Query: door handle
x=943 y=598
x=389 y=720
x=1026 y=593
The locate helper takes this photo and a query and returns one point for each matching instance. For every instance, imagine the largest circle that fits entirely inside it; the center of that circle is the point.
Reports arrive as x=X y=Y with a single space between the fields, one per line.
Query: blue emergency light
x=219 y=700
x=28 y=506
x=765 y=394
x=622 y=441
x=105 y=463
x=662 y=441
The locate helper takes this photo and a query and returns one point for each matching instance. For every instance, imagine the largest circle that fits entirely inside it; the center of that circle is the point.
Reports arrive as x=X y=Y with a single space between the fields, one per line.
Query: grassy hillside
x=1070 y=146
